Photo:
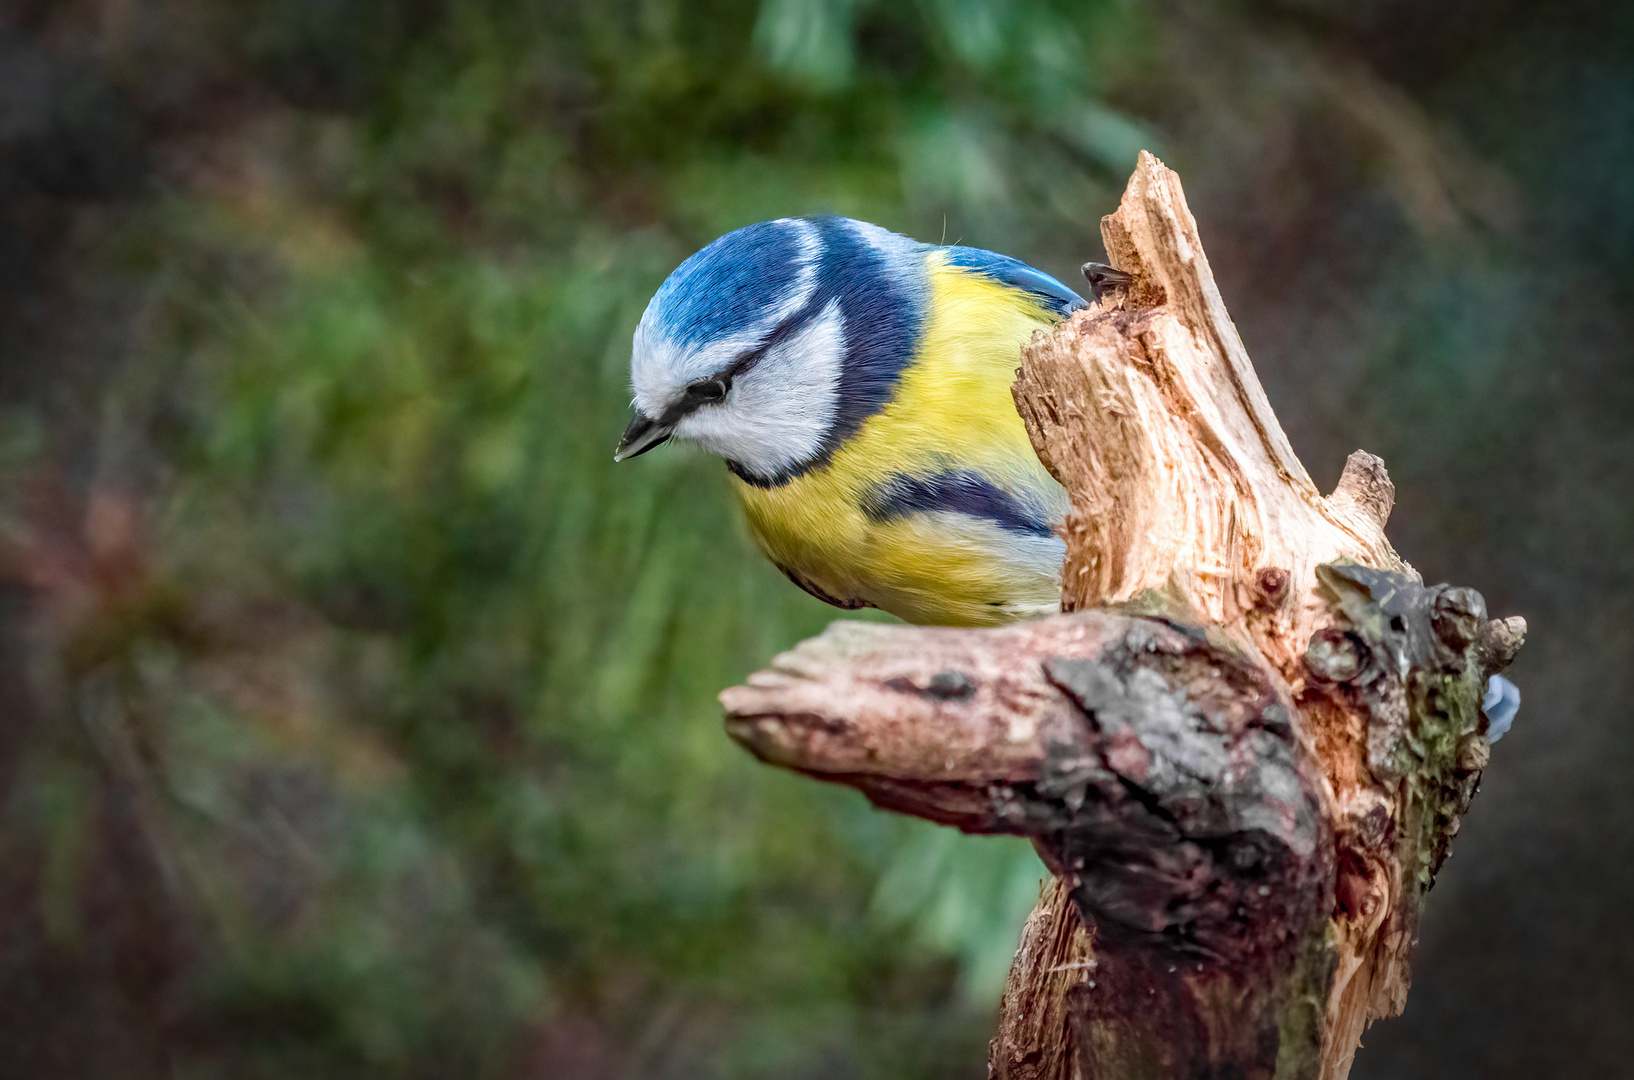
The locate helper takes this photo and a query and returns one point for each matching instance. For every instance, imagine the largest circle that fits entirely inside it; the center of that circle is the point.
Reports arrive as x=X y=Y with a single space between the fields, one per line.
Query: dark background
x=358 y=715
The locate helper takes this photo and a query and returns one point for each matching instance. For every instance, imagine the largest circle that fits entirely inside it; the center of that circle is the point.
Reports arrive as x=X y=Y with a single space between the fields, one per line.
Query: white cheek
x=781 y=409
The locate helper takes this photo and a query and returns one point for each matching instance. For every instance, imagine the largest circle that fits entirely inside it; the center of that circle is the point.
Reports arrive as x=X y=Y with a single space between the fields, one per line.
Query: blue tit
x=857 y=382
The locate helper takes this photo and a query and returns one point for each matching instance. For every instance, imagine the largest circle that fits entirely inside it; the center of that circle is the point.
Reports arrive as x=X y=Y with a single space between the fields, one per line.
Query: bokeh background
x=357 y=714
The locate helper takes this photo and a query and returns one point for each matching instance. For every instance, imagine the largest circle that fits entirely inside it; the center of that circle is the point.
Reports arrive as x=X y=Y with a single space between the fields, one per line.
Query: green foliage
x=428 y=738
x=360 y=713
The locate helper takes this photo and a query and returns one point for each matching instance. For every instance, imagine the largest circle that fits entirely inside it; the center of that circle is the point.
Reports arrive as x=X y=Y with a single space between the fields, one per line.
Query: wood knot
x=1270 y=588
x=942 y=686
x=1334 y=655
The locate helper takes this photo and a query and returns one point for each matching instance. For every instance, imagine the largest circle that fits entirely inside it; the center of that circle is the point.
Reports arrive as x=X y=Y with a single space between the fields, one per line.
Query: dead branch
x=1245 y=750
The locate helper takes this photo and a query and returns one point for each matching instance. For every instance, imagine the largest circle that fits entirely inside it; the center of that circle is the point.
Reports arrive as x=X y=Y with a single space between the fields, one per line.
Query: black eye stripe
x=715 y=388
x=710 y=390
x=775 y=337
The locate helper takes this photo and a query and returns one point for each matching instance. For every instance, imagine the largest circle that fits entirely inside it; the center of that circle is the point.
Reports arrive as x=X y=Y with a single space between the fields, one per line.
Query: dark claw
x=1102 y=277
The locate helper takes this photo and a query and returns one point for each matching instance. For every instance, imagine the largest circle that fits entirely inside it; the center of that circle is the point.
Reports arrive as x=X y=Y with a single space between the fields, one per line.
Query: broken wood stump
x=1244 y=747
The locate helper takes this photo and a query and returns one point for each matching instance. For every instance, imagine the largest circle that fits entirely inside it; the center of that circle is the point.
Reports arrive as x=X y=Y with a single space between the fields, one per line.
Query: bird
x=857 y=384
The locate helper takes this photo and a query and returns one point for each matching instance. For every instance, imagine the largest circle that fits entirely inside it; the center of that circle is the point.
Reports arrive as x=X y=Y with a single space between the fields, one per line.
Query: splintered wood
x=1244 y=750
x=1149 y=413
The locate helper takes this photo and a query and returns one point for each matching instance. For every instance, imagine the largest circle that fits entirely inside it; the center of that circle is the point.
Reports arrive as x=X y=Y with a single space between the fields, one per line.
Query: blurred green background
x=358 y=713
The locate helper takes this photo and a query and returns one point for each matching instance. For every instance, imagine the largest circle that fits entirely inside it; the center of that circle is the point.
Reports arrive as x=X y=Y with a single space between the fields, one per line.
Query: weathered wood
x=1158 y=771
x=1246 y=766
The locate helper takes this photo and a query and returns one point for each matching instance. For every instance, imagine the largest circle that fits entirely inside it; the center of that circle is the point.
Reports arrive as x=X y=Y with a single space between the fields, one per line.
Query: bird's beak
x=642 y=435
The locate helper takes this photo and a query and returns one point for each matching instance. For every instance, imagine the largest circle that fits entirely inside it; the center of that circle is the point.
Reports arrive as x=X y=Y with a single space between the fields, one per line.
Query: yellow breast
x=952 y=411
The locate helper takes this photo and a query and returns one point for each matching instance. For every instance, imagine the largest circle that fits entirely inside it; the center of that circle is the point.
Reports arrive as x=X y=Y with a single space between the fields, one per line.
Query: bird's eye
x=710 y=391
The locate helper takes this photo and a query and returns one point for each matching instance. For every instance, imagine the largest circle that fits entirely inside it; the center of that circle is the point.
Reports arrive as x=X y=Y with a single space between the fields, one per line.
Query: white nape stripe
x=779 y=411
x=805 y=282
x=903 y=255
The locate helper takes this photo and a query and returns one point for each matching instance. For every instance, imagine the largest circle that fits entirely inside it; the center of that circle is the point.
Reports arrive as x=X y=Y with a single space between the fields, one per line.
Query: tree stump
x=1242 y=749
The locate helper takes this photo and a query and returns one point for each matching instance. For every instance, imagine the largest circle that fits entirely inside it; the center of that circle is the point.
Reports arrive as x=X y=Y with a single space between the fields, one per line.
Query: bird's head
x=743 y=350
x=718 y=359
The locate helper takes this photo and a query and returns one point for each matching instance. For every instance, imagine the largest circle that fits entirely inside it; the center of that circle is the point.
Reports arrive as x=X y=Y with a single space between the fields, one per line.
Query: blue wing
x=1018 y=275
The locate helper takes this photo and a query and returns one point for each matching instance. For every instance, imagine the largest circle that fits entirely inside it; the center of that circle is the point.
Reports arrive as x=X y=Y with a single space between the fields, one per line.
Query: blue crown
x=731 y=285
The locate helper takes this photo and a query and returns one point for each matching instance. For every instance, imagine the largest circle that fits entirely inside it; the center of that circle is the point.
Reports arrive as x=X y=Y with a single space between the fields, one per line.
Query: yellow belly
x=952 y=411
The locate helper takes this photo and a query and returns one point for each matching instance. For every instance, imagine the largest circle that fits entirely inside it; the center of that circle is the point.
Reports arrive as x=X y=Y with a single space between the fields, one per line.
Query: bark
x=1243 y=750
